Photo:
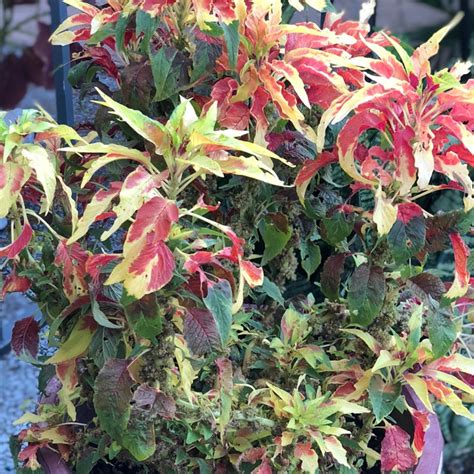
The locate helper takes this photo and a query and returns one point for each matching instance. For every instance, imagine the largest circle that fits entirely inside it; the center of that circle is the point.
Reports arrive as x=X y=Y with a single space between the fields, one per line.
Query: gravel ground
x=18 y=380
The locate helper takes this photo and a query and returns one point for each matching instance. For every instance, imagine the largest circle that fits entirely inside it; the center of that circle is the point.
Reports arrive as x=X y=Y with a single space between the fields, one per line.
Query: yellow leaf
x=452 y=380
x=334 y=446
x=369 y=340
x=202 y=162
x=12 y=178
x=419 y=387
x=98 y=204
x=42 y=164
x=186 y=371
x=150 y=129
x=137 y=188
x=77 y=342
x=385 y=213
x=70 y=201
x=424 y=162
x=249 y=167
x=67 y=375
x=111 y=152
x=424 y=52
x=385 y=359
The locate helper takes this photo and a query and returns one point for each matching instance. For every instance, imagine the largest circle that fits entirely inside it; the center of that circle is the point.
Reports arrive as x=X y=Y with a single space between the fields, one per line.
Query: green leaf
x=139 y=437
x=383 y=397
x=232 y=41
x=104 y=346
x=336 y=228
x=100 y=317
x=146 y=25
x=144 y=317
x=120 y=29
x=104 y=32
x=76 y=74
x=219 y=302
x=366 y=293
x=310 y=257
x=168 y=67
x=276 y=233
x=272 y=290
x=204 y=60
x=442 y=333
x=112 y=396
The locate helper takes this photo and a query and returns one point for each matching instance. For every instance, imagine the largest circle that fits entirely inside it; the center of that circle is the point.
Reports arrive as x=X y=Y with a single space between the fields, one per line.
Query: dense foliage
x=235 y=266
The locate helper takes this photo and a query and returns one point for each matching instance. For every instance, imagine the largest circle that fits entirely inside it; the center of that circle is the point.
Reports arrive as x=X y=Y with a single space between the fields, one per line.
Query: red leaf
x=95 y=263
x=224 y=374
x=231 y=115
x=155 y=215
x=28 y=455
x=208 y=207
x=156 y=262
x=331 y=275
x=13 y=283
x=396 y=454
x=12 y=250
x=102 y=58
x=154 y=401
x=73 y=260
x=25 y=337
x=311 y=167
x=407 y=211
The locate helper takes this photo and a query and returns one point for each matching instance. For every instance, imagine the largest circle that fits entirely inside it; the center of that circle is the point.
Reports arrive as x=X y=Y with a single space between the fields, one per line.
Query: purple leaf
x=25 y=337
x=200 y=331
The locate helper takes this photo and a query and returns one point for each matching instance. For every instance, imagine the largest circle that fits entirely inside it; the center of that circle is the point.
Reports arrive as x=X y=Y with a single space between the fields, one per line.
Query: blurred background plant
x=25 y=54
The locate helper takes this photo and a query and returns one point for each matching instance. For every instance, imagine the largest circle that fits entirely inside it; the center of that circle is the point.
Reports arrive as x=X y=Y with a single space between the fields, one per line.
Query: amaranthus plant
x=236 y=271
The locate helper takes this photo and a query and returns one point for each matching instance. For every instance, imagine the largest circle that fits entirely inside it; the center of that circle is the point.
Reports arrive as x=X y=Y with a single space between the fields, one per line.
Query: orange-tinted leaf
x=421 y=420
x=232 y=114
